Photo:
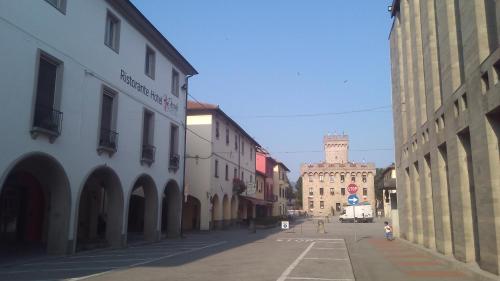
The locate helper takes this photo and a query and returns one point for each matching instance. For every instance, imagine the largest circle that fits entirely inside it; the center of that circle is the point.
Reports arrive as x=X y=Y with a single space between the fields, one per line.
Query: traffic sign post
x=353 y=199
x=285 y=225
x=352 y=188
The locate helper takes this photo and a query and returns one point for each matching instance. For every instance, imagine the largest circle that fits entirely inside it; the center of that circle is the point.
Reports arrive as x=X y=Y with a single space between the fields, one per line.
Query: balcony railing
x=173 y=162
x=108 y=140
x=47 y=121
x=148 y=154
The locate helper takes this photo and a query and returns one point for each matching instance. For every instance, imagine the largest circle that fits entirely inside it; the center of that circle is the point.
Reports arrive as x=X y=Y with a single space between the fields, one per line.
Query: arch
x=234 y=208
x=191 y=214
x=171 y=210
x=100 y=210
x=35 y=204
x=226 y=208
x=216 y=212
x=142 y=209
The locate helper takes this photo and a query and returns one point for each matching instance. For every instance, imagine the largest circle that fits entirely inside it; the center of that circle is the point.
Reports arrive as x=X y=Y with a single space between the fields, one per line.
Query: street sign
x=352 y=188
x=285 y=225
x=353 y=199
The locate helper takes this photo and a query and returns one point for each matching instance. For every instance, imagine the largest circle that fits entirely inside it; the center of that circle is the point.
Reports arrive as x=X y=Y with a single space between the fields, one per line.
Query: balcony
x=107 y=141
x=47 y=121
x=148 y=154
x=173 y=162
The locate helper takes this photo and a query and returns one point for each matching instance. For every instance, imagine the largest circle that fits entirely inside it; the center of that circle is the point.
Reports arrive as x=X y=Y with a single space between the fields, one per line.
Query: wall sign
x=165 y=101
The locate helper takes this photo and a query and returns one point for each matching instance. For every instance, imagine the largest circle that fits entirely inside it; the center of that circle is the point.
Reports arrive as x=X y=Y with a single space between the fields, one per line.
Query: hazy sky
x=290 y=57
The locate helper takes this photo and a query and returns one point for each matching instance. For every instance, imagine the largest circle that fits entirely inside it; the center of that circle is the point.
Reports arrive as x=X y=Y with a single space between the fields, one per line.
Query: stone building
x=324 y=185
x=446 y=105
x=93 y=143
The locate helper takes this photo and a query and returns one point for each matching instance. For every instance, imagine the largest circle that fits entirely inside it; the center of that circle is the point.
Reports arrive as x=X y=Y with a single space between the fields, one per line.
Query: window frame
x=110 y=92
x=56 y=103
x=115 y=44
x=152 y=65
x=216 y=168
x=175 y=83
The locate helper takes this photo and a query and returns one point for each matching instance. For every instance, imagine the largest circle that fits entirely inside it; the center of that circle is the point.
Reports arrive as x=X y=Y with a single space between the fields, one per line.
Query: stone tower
x=336 y=148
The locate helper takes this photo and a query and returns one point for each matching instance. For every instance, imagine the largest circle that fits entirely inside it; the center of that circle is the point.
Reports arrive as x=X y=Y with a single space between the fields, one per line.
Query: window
x=321 y=178
x=321 y=204
x=112 y=34
x=217 y=129
x=310 y=179
x=353 y=179
x=321 y=191
x=174 y=157
x=227 y=173
x=311 y=204
x=242 y=175
x=227 y=136
x=46 y=118
x=311 y=191
x=107 y=134
x=149 y=67
x=332 y=191
x=235 y=175
x=58 y=4
x=251 y=178
x=242 y=147
x=342 y=191
x=216 y=168
x=175 y=83
x=342 y=178
x=332 y=178
x=365 y=191
x=235 y=142
x=251 y=153
x=148 y=150
x=364 y=178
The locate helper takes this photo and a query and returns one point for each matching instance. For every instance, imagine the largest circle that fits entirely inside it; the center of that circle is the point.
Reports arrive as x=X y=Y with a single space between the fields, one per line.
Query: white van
x=357 y=213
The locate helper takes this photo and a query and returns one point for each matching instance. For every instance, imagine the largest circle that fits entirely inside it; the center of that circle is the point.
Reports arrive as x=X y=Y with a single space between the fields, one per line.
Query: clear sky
x=290 y=57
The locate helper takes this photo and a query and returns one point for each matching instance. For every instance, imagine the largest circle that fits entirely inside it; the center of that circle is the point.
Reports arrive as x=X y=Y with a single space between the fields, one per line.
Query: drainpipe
x=184 y=164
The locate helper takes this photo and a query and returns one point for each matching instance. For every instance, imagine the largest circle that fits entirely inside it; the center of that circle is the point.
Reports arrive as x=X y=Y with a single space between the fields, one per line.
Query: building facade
x=265 y=166
x=280 y=189
x=325 y=184
x=220 y=164
x=446 y=104
x=94 y=155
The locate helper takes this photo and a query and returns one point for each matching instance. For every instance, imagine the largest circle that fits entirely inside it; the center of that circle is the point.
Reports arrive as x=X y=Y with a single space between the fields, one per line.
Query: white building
x=219 y=153
x=92 y=111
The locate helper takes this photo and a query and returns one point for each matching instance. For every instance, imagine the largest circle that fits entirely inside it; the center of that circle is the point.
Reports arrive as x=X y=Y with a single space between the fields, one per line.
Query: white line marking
x=331 y=259
x=114 y=255
x=337 y=248
x=76 y=262
x=315 y=239
x=287 y=271
x=146 y=262
x=59 y=269
x=311 y=278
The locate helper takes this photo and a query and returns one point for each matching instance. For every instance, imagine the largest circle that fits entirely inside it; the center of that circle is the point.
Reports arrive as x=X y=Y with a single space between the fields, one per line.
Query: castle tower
x=336 y=148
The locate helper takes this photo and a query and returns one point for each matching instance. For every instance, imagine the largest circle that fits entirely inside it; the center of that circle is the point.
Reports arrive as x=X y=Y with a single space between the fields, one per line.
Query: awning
x=256 y=201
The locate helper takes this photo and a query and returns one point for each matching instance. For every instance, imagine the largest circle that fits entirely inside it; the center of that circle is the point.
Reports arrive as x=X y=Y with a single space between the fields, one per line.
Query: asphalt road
x=346 y=252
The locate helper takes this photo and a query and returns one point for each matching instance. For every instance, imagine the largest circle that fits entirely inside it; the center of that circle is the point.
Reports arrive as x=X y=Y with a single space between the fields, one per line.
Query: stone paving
x=345 y=252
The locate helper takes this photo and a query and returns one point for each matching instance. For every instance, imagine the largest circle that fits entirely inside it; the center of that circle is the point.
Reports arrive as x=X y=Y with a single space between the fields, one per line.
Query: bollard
x=321 y=227
x=251 y=227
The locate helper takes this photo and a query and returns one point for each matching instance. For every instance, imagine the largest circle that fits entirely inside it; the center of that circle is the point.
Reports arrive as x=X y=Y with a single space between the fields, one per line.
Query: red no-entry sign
x=352 y=188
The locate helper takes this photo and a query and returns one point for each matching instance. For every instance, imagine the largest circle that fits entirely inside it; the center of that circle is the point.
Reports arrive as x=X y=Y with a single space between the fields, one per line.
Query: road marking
x=58 y=269
x=146 y=262
x=294 y=264
x=337 y=248
x=76 y=262
x=331 y=259
x=312 y=278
